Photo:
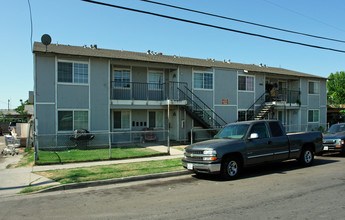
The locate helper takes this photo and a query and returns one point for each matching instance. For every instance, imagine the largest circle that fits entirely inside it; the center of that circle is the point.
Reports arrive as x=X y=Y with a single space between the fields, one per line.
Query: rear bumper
x=202 y=168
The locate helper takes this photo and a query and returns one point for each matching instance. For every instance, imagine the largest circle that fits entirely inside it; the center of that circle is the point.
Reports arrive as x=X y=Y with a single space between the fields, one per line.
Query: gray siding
x=314 y=101
x=45 y=79
x=304 y=91
x=323 y=93
x=225 y=86
x=228 y=113
x=139 y=116
x=245 y=99
x=259 y=85
x=46 y=117
x=139 y=74
x=99 y=95
x=73 y=97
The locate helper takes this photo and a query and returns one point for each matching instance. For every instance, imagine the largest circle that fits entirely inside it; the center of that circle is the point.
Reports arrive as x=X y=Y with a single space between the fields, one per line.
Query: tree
x=335 y=87
x=20 y=109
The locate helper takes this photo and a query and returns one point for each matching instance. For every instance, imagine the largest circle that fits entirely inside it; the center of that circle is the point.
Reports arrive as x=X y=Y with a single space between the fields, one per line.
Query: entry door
x=173 y=125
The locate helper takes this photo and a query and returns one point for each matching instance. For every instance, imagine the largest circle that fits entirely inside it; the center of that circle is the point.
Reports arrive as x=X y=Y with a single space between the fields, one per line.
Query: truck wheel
x=307 y=156
x=231 y=168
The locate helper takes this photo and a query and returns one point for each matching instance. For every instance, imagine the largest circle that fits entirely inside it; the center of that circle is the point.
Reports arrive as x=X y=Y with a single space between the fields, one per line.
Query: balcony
x=284 y=96
x=147 y=93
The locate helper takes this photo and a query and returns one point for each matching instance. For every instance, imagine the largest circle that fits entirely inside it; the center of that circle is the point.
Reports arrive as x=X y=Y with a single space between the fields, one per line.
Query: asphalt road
x=278 y=191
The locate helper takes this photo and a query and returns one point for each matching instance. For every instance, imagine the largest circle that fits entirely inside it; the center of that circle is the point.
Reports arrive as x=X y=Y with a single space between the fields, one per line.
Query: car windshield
x=233 y=131
x=336 y=128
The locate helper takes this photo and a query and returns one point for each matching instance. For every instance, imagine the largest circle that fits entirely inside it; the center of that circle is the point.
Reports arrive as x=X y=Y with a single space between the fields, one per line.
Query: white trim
x=148 y=78
x=120 y=69
x=89 y=81
x=237 y=95
x=109 y=95
x=56 y=94
x=148 y=118
x=313 y=113
x=112 y=119
x=71 y=110
x=220 y=105
x=45 y=103
x=247 y=75
x=73 y=62
x=314 y=81
x=203 y=72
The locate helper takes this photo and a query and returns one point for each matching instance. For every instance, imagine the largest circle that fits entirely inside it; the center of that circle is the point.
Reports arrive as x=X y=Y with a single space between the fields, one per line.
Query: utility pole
x=8 y=104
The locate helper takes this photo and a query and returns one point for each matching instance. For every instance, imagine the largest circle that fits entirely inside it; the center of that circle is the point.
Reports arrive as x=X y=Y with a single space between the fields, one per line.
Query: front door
x=173 y=124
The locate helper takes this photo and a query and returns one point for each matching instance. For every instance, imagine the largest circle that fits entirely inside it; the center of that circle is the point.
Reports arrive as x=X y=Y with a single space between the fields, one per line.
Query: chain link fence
x=83 y=146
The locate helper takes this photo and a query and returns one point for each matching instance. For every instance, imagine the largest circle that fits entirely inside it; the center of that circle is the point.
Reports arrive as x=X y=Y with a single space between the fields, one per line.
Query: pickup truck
x=334 y=138
x=250 y=143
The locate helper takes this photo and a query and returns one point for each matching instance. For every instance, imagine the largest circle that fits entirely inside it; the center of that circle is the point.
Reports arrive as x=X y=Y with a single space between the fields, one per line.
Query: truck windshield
x=336 y=128
x=232 y=132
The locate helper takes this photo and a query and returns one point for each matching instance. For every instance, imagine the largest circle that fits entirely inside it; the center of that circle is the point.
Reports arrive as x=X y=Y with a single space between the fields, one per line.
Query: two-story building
x=112 y=90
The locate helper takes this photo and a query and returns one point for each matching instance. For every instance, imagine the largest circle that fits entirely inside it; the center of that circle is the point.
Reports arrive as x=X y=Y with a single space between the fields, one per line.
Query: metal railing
x=146 y=91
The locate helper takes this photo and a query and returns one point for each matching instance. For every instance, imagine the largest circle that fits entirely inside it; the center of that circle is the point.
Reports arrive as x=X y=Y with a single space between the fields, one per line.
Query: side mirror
x=253 y=136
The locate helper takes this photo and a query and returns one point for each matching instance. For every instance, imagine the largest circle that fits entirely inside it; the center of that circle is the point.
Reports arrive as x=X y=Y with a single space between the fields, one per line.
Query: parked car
x=11 y=126
x=250 y=143
x=334 y=138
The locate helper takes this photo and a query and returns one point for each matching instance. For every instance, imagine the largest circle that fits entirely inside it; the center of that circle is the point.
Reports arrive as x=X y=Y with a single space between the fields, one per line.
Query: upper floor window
x=72 y=72
x=203 y=81
x=246 y=83
x=313 y=116
x=155 y=80
x=314 y=87
x=122 y=78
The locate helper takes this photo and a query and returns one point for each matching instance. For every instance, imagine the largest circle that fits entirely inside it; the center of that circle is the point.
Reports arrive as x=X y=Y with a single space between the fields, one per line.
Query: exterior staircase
x=199 y=111
x=263 y=112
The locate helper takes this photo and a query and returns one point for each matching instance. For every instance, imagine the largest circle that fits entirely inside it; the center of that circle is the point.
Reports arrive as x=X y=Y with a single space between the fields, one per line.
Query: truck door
x=279 y=141
x=259 y=150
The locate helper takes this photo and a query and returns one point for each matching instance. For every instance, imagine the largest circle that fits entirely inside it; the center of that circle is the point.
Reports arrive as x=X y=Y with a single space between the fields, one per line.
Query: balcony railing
x=284 y=95
x=146 y=91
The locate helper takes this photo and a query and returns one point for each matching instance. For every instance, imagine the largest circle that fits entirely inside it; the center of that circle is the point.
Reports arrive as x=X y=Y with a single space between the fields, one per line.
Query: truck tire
x=231 y=168
x=307 y=156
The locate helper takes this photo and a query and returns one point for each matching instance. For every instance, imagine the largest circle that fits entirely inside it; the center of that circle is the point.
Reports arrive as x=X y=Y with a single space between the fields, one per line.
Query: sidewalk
x=12 y=181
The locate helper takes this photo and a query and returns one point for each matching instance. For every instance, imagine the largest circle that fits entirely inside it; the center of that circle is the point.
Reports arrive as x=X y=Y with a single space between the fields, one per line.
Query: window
x=72 y=120
x=245 y=115
x=122 y=78
x=314 y=88
x=156 y=119
x=276 y=129
x=313 y=116
x=69 y=72
x=203 y=80
x=246 y=83
x=155 y=80
x=260 y=129
x=121 y=119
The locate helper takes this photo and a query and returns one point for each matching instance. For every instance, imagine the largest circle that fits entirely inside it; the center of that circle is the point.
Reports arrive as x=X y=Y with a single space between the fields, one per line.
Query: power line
x=309 y=17
x=242 y=21
x=214 y=26
x=31 y=25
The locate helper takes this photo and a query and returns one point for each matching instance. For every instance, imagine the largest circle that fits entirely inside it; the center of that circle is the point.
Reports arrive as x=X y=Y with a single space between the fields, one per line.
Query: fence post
x=109 y=139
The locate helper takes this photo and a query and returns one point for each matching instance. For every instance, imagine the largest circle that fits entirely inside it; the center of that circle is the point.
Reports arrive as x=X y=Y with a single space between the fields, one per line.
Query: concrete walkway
x=13 y=180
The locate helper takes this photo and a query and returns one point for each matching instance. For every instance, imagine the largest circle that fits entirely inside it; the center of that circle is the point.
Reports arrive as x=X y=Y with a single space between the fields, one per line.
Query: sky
x=78 y=23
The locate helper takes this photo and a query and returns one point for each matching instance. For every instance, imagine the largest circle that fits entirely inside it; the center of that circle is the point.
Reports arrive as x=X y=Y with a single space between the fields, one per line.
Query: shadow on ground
x=273 y=168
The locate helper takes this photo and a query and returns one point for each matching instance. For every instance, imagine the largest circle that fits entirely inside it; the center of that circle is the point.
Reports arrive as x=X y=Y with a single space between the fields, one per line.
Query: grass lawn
x=84 y=174
x=75 y=155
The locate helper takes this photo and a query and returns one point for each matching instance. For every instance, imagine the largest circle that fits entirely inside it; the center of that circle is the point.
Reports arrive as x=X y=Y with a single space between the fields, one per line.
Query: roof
x=159 y=58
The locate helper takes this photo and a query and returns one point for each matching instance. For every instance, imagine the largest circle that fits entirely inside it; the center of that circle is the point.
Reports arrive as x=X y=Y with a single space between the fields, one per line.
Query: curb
x=113 y=181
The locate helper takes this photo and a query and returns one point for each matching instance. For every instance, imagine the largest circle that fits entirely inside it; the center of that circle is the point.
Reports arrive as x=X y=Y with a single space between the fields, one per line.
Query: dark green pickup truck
x=250 y=143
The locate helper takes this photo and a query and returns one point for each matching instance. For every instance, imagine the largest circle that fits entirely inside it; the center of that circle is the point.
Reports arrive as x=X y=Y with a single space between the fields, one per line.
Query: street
x=278 y=191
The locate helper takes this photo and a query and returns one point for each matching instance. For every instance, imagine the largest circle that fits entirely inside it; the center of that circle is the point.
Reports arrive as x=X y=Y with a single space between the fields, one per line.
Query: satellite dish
x=46 y=39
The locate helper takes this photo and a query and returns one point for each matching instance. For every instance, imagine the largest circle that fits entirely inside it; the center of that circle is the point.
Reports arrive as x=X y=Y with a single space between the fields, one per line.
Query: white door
x=173 y=125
